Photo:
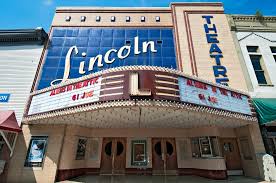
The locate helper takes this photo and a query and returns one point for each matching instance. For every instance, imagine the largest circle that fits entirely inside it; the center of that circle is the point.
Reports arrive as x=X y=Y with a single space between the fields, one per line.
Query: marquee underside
x=143 y=114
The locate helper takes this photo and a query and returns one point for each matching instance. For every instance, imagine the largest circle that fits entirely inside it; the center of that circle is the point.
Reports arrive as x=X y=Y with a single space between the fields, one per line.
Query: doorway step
x=234 y=172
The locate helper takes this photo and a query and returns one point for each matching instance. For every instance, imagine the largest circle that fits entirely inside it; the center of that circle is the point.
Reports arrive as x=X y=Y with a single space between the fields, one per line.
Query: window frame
x=27 y=162
x=262 y=70
x=82 y=157
x=211 y=146
x=250 y=46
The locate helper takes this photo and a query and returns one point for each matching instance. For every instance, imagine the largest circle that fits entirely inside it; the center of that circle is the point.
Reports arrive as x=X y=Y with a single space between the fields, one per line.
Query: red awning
x=8 y=121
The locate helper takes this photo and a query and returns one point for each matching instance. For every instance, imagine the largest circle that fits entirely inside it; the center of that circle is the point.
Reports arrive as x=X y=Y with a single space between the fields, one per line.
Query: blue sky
x=39 y=13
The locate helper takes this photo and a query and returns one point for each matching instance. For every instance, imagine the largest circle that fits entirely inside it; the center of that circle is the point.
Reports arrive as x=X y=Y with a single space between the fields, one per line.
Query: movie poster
x=36 y=152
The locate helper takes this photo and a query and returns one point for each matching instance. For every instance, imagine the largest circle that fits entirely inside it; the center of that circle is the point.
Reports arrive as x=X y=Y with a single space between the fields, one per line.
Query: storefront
x=254 y=37
x=133 y=91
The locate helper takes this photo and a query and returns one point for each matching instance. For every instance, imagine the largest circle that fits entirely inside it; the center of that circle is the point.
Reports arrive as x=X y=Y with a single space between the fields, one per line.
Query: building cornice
x=113 y=10
x=252 y=23
x=23 y=36
x=253 y=18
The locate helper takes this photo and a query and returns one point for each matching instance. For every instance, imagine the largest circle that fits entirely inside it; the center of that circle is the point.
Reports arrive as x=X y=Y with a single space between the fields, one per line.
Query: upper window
x=273 y=49
x=252 y=49
x=36 y=152
x=259 y=72
x=2 y=143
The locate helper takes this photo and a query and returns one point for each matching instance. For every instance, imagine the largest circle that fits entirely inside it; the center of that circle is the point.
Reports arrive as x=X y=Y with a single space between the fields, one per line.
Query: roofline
x=23 y=36
x=250 y=17
x=106 y=9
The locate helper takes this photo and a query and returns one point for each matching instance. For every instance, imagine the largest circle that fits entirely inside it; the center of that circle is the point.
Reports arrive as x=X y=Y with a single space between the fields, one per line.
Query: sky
x=20 y=14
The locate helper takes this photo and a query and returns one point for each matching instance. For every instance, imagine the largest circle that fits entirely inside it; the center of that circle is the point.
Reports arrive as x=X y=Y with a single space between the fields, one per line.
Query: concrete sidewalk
x=158 y=179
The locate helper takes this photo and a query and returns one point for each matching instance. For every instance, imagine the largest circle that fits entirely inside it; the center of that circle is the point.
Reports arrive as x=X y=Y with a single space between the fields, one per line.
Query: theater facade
x=152 y=91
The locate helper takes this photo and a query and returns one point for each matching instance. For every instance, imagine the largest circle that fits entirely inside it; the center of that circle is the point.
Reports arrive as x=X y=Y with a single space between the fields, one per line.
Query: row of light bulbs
x=112 y=18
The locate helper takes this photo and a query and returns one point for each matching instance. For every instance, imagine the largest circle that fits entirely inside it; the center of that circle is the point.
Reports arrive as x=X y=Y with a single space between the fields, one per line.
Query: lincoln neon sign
x=100 y=60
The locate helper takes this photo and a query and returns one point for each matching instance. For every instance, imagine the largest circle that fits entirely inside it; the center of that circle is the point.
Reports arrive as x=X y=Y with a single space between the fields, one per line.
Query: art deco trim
x=135 y=68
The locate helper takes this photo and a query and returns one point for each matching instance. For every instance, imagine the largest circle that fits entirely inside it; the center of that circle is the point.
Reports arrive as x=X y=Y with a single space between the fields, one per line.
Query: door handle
x=163 y=156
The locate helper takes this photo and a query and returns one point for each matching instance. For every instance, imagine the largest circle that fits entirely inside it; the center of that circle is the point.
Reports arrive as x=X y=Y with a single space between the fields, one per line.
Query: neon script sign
x=100 y=59
x=215 y=51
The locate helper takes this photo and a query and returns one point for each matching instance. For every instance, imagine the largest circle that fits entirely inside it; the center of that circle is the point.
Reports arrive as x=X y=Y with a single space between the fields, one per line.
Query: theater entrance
x=164 y=160
x=113 y=159
x=231 y=153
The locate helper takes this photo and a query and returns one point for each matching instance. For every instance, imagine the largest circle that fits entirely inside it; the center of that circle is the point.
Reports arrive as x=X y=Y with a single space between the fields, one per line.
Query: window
x=204 y=147
x=139 y=153
x=271 y=146
x=259 y=72
x=157 y=19
x=67 y=18
x=127 y=18
x=2 y=143
x=246 y=152
x=143 y=19
x=113 y=19
x=81 y=149
x=98 y=18
x=252 y=49
x=36 y=151
x=83 y=18
x=273 y=49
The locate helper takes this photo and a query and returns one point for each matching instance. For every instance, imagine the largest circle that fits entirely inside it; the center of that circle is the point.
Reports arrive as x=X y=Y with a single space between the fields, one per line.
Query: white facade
x=264 y=40
x=18 y=65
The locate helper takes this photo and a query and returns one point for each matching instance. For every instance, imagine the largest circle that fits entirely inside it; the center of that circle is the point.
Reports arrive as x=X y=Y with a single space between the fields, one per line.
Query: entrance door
x=113 y=156
x=164 y=156
x=230 y=151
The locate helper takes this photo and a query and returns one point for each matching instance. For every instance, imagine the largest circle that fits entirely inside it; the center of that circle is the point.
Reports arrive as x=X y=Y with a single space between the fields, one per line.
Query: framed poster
x=139 y=153
x=36 y=151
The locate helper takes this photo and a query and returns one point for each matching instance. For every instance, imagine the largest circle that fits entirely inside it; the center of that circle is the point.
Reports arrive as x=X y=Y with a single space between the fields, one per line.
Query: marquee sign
x=76 y=52
x=71 y=95
x=127 y=84
x=203 y=94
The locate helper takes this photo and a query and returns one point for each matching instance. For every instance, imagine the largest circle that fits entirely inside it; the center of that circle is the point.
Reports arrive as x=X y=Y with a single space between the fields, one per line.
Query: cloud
x=48 y=2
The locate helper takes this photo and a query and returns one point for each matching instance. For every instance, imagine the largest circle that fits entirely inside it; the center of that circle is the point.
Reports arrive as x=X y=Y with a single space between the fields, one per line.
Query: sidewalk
x=158 y=179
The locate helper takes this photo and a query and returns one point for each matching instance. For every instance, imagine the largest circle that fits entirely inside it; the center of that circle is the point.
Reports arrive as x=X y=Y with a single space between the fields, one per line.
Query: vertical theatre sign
x=220 y=71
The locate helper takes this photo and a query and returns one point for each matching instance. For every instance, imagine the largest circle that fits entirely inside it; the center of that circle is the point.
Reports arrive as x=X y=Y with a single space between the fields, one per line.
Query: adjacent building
x=20 y=51
x=255 y=39
x=157 y=91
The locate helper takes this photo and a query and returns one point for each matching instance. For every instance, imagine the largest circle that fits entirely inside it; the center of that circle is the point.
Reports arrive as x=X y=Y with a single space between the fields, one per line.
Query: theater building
x=154 y=91
x=255 y=38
